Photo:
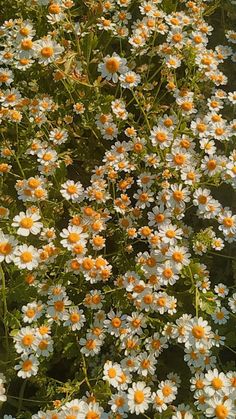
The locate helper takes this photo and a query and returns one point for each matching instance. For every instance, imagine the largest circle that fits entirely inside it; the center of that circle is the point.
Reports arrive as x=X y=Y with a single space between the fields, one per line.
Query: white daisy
x=27 y=222
x=26 y=257
x=47 y=50
x=139 y=397
x=71 y=190
x=7 y=245
x=111 y=66
x=129 y=80
x=27 y=367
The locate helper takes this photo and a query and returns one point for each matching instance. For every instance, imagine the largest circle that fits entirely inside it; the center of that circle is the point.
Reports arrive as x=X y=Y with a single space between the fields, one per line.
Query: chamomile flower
x=232 y=303
x=3 y=396
x=129 y=80
x=58 y=136
x=161 y=137
x=168 y=389
x=26 y=257
x=139 y=397
x=91 y=345
x=220 y=316
x=47 y=50
x=71 y=190
x=216 y=383
x=112 y=373
x=90 y=410
x=25 y=340
x=7 y=245
x=72 y=237
x=74 y=318
x=32 y=312
x=146 y=364
x=111 y=66
x=217 y=407
x=27 y=222
x=27 y=367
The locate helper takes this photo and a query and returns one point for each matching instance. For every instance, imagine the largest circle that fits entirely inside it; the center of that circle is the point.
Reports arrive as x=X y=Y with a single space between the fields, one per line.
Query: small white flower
x=27 y=367
x=72 y=191
x=7 y=245
x=129 y=80
x=112 y=373
x=111 y=66
x=47 y=50
x=27 y=222
x=26 y=257
x=74 y=318
x=139 y=397
x=220 y=316
x=219 y=408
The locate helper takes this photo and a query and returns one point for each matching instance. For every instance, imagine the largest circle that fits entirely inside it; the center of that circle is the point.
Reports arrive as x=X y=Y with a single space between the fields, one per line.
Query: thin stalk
x=20 y=167
x=84 y=367
x=223 y=256
x=21 y=396
x=142 y=110
x=5 y=310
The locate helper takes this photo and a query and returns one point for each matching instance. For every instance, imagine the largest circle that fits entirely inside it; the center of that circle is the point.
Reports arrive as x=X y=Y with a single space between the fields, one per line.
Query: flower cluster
x=117 y=228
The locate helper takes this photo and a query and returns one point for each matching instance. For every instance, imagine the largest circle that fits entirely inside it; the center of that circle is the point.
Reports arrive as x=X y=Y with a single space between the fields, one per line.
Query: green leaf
x=89 y=43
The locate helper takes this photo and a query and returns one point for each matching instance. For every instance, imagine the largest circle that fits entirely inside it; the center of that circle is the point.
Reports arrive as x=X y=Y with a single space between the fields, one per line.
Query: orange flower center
x=5 y=248
x=112 y=372
x=92 y=415
x=228 y=222
x=112 y=65
x=216 y=383
x=26 y=257
x=221 y=411
x=116 y=322
x=161 y=137
x=198 y=332
x=47 y=52
x=27 y=340
x=27 y=365
x=166 y=390
x=26 y=222
x=138 y=396
x=90 y=344
x=59 y=306
x=43 y=344
x=26 y=44
x=167 y=273
x=74 y=317
x=130 y=78
x=170 y=234
x=73 y=237
x=30 y=313
x=211 y=164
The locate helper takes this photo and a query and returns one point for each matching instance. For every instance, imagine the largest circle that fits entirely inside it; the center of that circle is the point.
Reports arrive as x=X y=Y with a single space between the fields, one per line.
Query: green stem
x=20 y=167
x=28 y=400
x=223 y=256
x=196 y=291
x=21 y=396
x=5 y=310
x=85 y=373
x=230 y=349
x=142 y=110
x=196 y=301
x=156 y=72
